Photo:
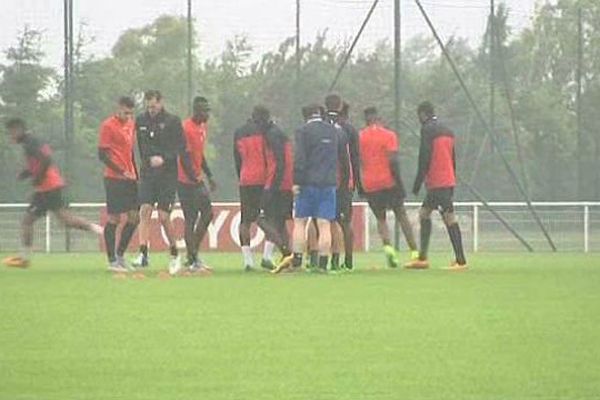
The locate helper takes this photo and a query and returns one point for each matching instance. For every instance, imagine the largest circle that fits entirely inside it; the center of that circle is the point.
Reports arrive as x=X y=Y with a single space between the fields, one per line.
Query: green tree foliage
x=539 y=63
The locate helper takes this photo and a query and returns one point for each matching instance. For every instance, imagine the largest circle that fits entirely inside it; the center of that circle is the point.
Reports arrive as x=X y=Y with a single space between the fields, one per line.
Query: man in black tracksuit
x=161 y=141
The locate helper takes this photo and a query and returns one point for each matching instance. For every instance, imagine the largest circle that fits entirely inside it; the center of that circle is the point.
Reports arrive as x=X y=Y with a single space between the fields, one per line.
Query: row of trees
x=539 y=63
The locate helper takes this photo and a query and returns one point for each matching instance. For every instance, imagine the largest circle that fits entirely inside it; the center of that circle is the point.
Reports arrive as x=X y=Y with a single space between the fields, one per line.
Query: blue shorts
x=315 y=202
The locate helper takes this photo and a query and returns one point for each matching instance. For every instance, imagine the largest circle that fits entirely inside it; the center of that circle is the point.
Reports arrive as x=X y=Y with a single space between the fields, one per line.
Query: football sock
x=126 y=235
x=247 y=254
x=335 y=260
x=144 y=250
x=173 y=251
x=349 y=261
x=109 y=239
x=323 y=261
x=268 y=251
x=425 y=236
x=456 y=240
x=314 y=258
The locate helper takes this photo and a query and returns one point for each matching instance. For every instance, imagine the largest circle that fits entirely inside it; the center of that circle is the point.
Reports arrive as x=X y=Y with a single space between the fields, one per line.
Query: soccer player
x=437 y=168
x=315 y=177
x=382 y=182
x=48 y=185
x=160 y=141
x=250 y=163
x=115 y=150
x=342 y=229
x=277 y=198
x=194 y=195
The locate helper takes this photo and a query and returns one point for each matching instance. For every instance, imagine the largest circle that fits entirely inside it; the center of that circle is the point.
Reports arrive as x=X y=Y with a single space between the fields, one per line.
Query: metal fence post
x=48 y=241
x=586 y=228
x=475 y=228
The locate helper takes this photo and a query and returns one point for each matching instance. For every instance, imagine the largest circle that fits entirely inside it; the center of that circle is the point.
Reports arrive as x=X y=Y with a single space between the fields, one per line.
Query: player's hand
x=156 y=161
x=296 y=190
x=24 y=175
x=129 y=175
x=212 y=185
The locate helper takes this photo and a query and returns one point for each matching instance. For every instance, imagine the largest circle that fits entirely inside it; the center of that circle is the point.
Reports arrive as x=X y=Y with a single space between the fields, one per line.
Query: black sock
x=109 y=239
x=349 y=261
x=323 y=260
x=126 y=235
x=314 y=258
x=144 y=250
x=425 y=236
x=335 y=260
x=173 y=251
x=456 y=240
x=297 y=262
x=192 y=258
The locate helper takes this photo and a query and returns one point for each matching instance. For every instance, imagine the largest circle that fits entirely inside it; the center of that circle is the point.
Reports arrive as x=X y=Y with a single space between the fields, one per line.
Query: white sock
x=247 y=253
x=268 y=251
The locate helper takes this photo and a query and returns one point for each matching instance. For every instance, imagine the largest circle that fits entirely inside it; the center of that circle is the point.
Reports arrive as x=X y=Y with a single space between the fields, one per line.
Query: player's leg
x=206 y=216
x=378 y=205
x=268 y=221
x=33 y=213
x=397 y=205
x=131 y=223
x=55 y=204
x=167 y=190
x=313 y=243
x=250 y=197
x=148 y=197
x=190 y=206
x=345 y=221
x=453 y=228
x=337 y=244
x=425 y=224
x=325 y=214
x=121 y=198
x=110 y=238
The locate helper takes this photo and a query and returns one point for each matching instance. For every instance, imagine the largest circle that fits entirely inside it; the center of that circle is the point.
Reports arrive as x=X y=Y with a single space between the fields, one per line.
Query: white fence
x=574 y=227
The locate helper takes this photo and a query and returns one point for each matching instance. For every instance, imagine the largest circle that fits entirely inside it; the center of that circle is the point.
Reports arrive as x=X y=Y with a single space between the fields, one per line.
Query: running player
x=250 y=164
x=437 y=168
x=48 y=185
x=194 y=195
x=277 y=198
x=382 y=182
x=115 y=150
x=315 y=176
x=160 y=141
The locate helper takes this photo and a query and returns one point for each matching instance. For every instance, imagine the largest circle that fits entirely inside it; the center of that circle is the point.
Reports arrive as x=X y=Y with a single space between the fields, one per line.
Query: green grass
x=514 y=327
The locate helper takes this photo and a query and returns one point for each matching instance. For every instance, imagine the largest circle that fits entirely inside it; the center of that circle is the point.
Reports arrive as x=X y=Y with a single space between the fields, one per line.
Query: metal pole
x=351 y=49
x=397 y=87
x=190 y=82
x=491 y=134
x=68 y=98
x=492 y=37
x=580 y=143
x=297 y=41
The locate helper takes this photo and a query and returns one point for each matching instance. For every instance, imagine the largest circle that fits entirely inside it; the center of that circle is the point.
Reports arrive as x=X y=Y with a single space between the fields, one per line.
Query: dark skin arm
x=104 y=156
x=209 y=175
x=236 y=156
x=277 y=144
x=344 y=163
x=424 y=160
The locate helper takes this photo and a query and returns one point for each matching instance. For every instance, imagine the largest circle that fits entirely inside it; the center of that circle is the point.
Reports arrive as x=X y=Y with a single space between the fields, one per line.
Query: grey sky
x=265 y=22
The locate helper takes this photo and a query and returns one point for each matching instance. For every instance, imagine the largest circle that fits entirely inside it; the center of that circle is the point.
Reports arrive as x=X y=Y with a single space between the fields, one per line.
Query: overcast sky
x=265 y=22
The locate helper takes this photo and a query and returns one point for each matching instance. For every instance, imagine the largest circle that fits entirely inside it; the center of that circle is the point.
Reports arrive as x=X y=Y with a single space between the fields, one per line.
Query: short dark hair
x=312 y=110
x=426 y=108
x=261 y=114
x=126 y=101
x=198 y=100
x=345 y=111
x=333 y=102
x=153 y=94
x=15 y=123
x=370 y=112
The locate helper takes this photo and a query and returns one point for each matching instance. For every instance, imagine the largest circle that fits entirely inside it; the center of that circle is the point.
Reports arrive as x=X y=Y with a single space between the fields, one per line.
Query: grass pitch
x=514 y=327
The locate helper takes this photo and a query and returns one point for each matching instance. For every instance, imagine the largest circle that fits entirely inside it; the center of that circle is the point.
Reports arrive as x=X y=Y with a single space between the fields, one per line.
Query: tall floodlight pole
x=297 y=41
x=492 y=48
x=397 y=84
x=580 y=143
x=68 y=98
x=190 y=82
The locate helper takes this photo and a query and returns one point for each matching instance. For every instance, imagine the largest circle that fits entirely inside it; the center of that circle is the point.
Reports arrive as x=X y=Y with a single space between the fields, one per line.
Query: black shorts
x=387 y=199
x=250 y=197
x=42 y=202
x=158 y=188
x=121 y=196
x=343 y=200
x=194 y=199
x=280 y=206
x=440 y=199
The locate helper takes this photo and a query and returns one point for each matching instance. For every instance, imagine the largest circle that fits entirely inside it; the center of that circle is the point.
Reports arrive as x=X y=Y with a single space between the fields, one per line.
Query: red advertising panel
x=223 y=232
